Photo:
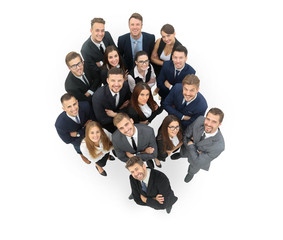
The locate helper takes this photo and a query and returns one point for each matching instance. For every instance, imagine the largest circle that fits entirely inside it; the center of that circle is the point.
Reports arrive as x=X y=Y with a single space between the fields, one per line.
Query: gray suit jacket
x=210 y=148
x=146 y=139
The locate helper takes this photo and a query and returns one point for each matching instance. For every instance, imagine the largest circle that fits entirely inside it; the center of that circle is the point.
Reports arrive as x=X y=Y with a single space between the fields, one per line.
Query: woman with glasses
x=169 y=138
x=96 y=145
x=142 y=72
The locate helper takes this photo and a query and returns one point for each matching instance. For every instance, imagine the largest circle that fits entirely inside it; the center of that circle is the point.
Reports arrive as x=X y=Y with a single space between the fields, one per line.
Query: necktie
x=134 y=144
x=184 y=103
x=135 y=49
x=202 y=137
x=85 y=80
x=177 y=74
x=115 y=97
x=144 y=188
x=101 y=49
x=78 y=120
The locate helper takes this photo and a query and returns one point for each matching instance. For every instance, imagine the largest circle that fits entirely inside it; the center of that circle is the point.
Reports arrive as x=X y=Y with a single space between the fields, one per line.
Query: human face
x=143 y=97
x=211 y=123
x=97 y=32
x=179 y=59
x=76 y=66
x=113 y=58
x=138 y=172
x=189 y=92
x=167 y=38
x=94 y=134
x=71 y=107
x=115 y=82
x=173 y=129
x=135 y=26
x=126 y=127
x=142 y=62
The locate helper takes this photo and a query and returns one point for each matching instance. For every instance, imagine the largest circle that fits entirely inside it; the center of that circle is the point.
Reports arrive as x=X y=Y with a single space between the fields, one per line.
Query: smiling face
x=173 y=129
x=97 y=32
x=94 y=134
x=143 y=97
x=126 y=127
x=142 y=62
x=71 y=107
x=179 y=59
x=167 y=38
x=135 y=26
x=211 y=123
x=76 y=66
x=115 y=82
x=189 y=92
x=113 y=58
x=138 y=172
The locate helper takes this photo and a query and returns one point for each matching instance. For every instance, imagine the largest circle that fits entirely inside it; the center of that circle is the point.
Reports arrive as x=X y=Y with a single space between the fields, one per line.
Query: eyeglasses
x=172 y=128
x=79 y=64
x=143 y=62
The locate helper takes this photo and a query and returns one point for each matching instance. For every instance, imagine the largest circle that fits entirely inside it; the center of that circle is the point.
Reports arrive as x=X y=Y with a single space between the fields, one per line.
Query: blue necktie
x=78 y=120
x=144 y=188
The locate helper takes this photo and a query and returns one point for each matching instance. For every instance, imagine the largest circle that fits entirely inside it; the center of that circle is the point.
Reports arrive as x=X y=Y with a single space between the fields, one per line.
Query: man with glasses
x=79 y=82
x=173 y=71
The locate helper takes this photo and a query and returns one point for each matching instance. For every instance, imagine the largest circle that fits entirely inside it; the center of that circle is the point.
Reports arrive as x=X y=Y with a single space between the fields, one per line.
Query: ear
x=107 y=80
x=132 y=121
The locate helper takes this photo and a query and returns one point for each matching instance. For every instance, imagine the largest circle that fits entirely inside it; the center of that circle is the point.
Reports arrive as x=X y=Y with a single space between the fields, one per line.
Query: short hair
x=133 y=160
x=140 y=53
x=181 y=48
x=136 y=16
x=167 y=28
x=97 y=20
x=217 y=111
x=119 y=117
x=66 y=97
x=191 y=79
x=70 y=56
x=116 y=71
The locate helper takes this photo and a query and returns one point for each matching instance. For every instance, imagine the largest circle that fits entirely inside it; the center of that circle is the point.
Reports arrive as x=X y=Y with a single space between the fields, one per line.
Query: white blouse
x=165 y=58
x=146 y=110
x=175 y=140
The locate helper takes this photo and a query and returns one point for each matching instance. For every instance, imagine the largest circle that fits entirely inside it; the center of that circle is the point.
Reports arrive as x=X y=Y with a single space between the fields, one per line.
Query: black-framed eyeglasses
x=79 y=64
x=144 y=62
x=172 y=128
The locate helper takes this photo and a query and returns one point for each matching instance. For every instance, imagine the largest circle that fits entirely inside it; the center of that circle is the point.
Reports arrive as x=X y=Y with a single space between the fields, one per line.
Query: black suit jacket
x=158 y=184
x=125 y=47
x=92 y=54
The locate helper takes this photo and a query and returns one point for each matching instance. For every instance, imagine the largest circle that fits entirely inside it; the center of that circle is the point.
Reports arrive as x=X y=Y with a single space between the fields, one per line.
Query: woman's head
x=168 y=33
x=111 y=57
x=142 y=60
x=93 y=131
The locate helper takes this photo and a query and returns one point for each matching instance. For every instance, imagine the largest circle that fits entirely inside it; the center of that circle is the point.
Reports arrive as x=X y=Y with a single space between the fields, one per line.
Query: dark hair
x=66 y=97
x=97 y=20
x=136 y=16
x=116 y=71
x=181 y=48
x=135 y=95
x=167 y=28
x=140 y=53
x=217 y=111
x=108 y=50
x=191 y=79
x=133 y=160
x=70 y=56
x=163 y=132
x=119 y=117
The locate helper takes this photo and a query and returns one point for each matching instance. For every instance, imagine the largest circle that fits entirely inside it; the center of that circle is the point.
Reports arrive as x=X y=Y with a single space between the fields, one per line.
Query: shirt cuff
x=90 y=92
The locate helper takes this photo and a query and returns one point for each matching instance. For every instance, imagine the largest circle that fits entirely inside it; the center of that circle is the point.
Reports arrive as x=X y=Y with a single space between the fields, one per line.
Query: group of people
x=109 y=105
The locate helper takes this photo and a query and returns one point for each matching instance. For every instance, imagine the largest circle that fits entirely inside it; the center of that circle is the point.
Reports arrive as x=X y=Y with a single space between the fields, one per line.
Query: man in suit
x=79 y=81
x=94 y=47
x=133 y=140
x=130 y=43
x=203 y=142
x=70 y=124
x=149 y=186
x=185 y=101
x=111 y=98
x=173 y=71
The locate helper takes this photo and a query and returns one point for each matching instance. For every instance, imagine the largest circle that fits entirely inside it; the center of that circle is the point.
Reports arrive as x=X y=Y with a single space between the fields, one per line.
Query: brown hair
x=97 y=20
x=108 y=50
x=136 y=16
x=70 y=56
x=191 y=79
x=66 y=97
x=119 y=117
x=217 y=111
x=116 y=71
x=106 y=143
x=163 y=132
x=133 y=160
x=135 y=95
x=181 y=48
x=167 y=28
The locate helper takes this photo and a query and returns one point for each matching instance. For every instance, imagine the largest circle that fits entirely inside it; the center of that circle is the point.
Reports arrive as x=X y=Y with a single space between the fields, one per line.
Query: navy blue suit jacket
x=173 y=105
x=168 y=73
x=125 y=47
x=64 y=125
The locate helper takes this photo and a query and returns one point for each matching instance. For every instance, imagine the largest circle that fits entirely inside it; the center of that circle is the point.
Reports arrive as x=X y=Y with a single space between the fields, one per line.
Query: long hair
x=106 y=143
x=108 y=50
x=135 y=95
x=163 y=132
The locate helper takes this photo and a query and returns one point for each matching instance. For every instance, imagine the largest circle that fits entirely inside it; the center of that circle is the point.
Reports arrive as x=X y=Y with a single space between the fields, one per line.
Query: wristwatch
x=78 y=135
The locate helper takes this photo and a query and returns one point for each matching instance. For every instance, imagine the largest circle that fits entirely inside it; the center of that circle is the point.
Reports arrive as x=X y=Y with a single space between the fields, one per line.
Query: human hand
x=167 y=84
x=143 y=198
x=149 y=150
x=110 y=113
x=159 y=198
x=73 y=134
x=129 y=155
x=87 y=94
x=125 y=104
x=186 y=118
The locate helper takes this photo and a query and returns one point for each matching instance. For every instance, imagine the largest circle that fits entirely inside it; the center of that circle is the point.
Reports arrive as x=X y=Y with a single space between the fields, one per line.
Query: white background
x=47 y=192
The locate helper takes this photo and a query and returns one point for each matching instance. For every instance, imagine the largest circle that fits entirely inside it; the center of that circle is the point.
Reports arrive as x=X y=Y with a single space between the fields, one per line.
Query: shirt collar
x=146 y=180
x=138 y=40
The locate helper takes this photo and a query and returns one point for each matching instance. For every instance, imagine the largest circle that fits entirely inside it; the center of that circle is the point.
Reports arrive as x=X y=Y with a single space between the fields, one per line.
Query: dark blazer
x=102 y=99
x=168 y=73
x=173 y=105
x=158 y=184
x=92 y=54
x=125 y=47
x=64 y=125
x=77 y=88
x=209 y=148
x=146 y=139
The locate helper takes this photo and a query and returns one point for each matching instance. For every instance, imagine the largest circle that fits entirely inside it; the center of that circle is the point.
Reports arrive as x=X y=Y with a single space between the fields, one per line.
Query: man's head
x=190 y=87
x=179 y=56
x=135 y=25
x=97 y=29
x=115 y=79
x=124 y=124
x=70 y=104
x=75 y=63
x=213 y=120
x=137 y=168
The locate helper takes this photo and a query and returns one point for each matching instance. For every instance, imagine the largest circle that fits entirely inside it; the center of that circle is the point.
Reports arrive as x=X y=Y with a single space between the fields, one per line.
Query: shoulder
x=116 y=135
x=144 y=128
x=100 y=91
x=158 y=174
x=189 y=69
x=86 y=44
x=148 y=35
x=123 y=37
x=201 y=98
x=60 y=119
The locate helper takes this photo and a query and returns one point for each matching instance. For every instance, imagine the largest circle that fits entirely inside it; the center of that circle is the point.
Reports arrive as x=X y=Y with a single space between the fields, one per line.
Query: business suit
x=65 y=125
x=77 y=88
x=146 y=139
x=92 y=54
x=158 y=184
x=173 y=105
x=125 y=47
x=168 y=73
x=209 y=148
x=102 y=99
